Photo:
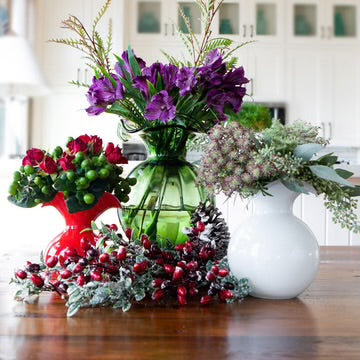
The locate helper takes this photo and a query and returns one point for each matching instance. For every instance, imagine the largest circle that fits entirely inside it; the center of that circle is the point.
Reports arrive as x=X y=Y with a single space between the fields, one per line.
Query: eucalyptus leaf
x=73 y=309
x=345 y=174
x=307 y=151
x=294 y=185
x=330 y=174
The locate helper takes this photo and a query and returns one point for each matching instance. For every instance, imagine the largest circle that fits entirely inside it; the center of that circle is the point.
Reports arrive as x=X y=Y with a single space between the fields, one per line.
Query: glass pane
x=229 y=19
x=149 y=14
x=305 y=20
x=192 y=13
x=345 y=21
x=266 y=19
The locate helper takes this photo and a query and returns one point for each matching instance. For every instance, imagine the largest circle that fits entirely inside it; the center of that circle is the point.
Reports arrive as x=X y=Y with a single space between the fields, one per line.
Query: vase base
x=274 y=297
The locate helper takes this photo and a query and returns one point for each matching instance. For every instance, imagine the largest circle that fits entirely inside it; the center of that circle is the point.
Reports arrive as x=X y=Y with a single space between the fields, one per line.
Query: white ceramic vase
x=274 y=249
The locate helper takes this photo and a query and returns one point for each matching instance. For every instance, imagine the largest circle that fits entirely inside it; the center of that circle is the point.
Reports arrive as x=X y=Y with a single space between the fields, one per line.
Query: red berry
x=85 y=244
x=146 y=243
x=33 y=268
x=182 y=291
x=37 y=280
x=21 y=274
x=52 y=261
x=104 y=258
x=140 y=268
x=181 y=264
x=206 y=300
x=181 y=299
x=78 y=269
x=169 y=268
x=81 y=280
x=121 y=254
x=228 y=294
x=70 y=252
x=160 y=261
x=96 y=276
x=113 y=227
x=223 y=272
x=178 y=273
x=167 y=256
x=200 y=226
x=222 y=296
x=157 y=283
x=192 y=266
x=189 y=247
x=158 y=294
x=128 y=233
x=179 y=247
x=193 y=291
x=65 y=274
x=210 y=276
x=112 y=269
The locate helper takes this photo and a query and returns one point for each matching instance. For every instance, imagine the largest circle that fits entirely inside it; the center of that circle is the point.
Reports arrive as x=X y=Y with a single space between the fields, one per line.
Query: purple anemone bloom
x=186 y=80
x=161 y=108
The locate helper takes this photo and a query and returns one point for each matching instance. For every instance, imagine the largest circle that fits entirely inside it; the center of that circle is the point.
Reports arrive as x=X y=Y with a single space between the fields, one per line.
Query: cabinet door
x=306 y=20
x=60 y=63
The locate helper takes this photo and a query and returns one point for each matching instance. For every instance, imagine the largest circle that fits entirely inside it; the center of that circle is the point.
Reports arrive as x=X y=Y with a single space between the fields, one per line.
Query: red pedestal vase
x=76 y=223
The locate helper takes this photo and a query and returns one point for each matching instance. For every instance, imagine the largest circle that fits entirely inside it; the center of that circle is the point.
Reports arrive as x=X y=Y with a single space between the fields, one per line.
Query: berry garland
x=120 y=271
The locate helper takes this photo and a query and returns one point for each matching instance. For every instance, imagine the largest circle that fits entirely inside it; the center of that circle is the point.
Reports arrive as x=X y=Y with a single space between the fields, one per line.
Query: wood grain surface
x=323 y=323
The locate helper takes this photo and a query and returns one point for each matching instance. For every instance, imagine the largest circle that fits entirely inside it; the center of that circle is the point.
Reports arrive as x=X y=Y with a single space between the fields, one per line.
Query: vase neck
x=281 y=201
x=166 y=142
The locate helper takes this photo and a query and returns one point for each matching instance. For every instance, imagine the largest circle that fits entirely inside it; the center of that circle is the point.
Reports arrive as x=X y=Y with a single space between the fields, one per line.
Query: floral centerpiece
x=168 y=103
x=81 y=181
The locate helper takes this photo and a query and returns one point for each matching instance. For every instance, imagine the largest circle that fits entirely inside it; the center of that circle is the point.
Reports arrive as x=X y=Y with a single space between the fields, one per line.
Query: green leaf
x=133 y=62
x=294 y=185
x=353 y=192
x=307 y=151
x=73 y=309
x=328 y=159
x=344 y=173
x=330 y=174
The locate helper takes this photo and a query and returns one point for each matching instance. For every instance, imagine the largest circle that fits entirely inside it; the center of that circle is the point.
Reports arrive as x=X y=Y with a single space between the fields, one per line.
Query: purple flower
x=152 y=72
x=186 y=80
x=212 y=73
x=169 y=75
x=121 y=69
x=140 y=82
x=102 y=93
x=161 y=108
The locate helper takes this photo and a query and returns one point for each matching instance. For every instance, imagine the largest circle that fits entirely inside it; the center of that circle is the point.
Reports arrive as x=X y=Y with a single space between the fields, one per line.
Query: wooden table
x=324 y=323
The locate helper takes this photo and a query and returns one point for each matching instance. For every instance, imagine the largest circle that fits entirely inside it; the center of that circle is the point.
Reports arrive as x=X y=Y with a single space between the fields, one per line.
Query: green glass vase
x=166 y=194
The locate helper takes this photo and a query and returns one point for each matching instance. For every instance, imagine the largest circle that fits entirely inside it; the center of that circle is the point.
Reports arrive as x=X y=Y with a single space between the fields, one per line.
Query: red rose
x=85 y=143
x=48 y=166
x=77 y=145
x=66 y=162
x=114 y=155
x=96 y=144
x=33 y=157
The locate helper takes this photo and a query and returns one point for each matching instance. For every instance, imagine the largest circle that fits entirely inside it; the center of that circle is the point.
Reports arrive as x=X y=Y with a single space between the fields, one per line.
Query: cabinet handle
x=251 y=87
x=86 y=75
x=330 y=130
x=166 y=29
x=244 y=32
x=78 y=75
x=330 y=31
x=323 y=129
x=323 y=32
x=251 y=30
x=173 y=29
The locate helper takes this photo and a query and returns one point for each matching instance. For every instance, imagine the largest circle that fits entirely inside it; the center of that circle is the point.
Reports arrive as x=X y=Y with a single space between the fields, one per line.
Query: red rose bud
x=121 y=254
x=157 y=283
x=52 y=261
x=215 y=270
x=179 y=247
x=79 y=144
x=114 y=154
x=228 y=294
x=178 y=273
x=128 y=233
x=21 y=274
x=140 y=268
x=81 y=280
x=181 y=299
x=66 y=162
x=181 y=264
x=182 y=291
x=169 y=268
x=85 y=244
x=160 y=261
x=96 y=276
x=37 y=280
x=223 y=272
x=113 y=227
x=205 y=300
x=95 y=145
x=70 y=252
x=146 y=243
x=192 y=266
x=104 y=258
x=167 y=256
x=210 y=276
x=112 y=269
x=158 y=294
x=48 y=165
x=66 y=274
x=200 y=226
x=33 y=157
x=222 y=296
x=193 y=291
x=78 y=269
